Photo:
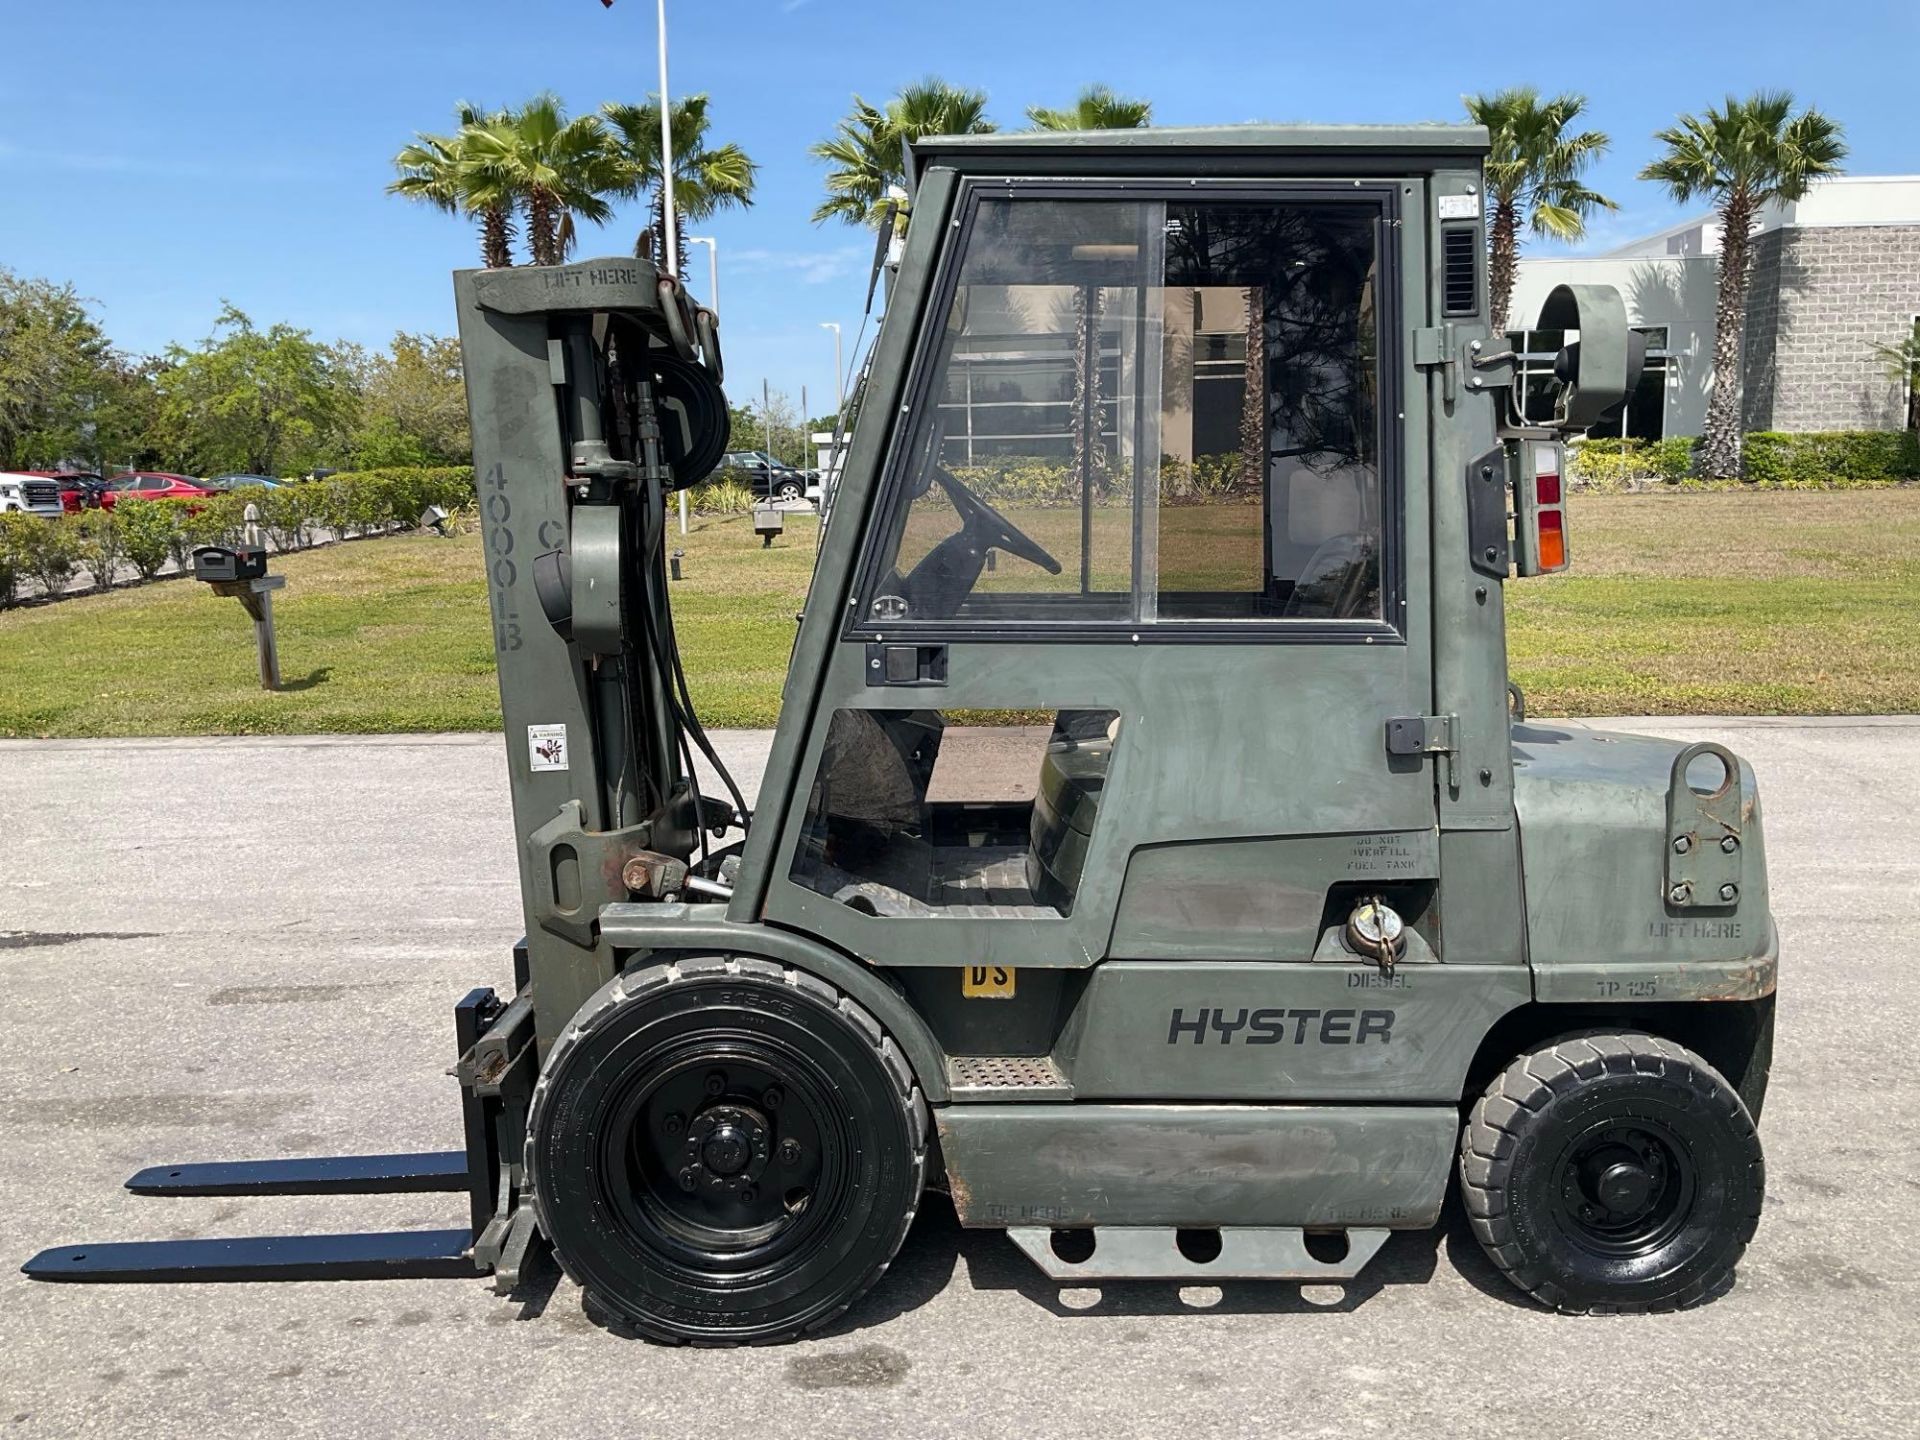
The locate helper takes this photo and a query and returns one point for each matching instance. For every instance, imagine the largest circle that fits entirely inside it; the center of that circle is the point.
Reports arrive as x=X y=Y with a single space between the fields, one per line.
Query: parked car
x=241 y=482
x=30 y=493
x=764 y=475
x=152 y=485
x=79 y=489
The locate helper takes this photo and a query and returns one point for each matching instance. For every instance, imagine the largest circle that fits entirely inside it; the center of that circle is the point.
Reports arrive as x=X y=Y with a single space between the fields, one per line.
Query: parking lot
x=225 y=949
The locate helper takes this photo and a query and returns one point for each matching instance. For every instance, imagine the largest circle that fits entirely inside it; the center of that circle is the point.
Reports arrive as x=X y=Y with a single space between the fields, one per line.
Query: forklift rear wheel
x=1612 y=1173
x=725 y=1151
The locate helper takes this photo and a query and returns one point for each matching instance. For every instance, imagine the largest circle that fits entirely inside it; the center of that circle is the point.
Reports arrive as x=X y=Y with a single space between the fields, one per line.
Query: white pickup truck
x=34 y=494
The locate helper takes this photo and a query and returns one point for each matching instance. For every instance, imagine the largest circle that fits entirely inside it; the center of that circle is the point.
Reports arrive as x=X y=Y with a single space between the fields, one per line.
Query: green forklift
x=1153 y=856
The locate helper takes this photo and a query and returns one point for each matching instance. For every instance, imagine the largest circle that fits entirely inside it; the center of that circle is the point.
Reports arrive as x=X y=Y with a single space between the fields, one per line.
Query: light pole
x=713 y=268
x=839 y=385
x=666 y=155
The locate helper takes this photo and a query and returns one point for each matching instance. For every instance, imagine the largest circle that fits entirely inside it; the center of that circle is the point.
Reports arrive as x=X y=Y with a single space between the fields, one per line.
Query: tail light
x=1540 y=516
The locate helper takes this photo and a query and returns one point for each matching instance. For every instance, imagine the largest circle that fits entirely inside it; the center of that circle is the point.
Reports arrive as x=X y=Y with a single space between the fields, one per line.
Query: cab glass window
x=1146 y=411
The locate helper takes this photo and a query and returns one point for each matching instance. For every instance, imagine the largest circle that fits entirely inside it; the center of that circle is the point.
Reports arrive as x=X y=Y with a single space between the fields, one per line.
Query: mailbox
x=229 y=562
x=767 y=523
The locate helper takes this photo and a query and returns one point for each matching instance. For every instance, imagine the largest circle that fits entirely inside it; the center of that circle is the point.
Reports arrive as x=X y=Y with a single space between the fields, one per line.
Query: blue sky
x=164 y=156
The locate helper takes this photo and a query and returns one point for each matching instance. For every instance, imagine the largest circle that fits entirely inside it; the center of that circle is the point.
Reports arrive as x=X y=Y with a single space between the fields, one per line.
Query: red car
x=152 y=485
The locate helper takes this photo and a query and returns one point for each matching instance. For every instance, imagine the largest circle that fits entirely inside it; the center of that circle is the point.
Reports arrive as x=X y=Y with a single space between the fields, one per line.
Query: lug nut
x=1729 y=892
x=716 y=1082
x=789 y=1152
x=674 y=1123
x=688 y=1180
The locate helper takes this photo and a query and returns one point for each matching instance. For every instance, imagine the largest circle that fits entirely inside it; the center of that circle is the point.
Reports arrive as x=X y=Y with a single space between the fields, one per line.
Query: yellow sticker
x=987 y=982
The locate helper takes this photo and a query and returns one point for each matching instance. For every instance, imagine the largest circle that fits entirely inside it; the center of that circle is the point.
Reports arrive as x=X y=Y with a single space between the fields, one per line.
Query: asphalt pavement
x=228 y=949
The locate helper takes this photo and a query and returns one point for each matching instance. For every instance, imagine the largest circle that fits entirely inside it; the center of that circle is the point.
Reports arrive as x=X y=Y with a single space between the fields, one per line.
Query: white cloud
x=809 y=267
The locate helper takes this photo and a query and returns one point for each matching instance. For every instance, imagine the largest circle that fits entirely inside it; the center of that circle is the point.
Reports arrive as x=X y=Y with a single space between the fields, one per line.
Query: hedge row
x=145 y=534
x=1818 y=460
x=99 y=545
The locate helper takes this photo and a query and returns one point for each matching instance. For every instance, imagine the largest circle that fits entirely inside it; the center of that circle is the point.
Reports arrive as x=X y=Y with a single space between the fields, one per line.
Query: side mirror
x=1596 y=373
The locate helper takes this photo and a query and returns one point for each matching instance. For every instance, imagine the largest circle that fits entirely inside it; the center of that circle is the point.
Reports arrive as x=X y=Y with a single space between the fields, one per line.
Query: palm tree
x=555 y=167
x=865 y=150
x=435 y=170
x=705 y=179
x=1902 y=363
x=1097 y=108
x=1742 y=155
x=1533 y=174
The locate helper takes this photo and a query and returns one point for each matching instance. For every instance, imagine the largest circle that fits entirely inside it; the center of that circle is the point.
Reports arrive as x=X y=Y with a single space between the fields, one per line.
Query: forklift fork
x=496 y=1070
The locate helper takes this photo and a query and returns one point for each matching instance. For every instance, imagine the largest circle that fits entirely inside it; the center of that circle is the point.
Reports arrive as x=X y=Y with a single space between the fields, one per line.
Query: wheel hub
x=725 y=1148
x=1623 y=1187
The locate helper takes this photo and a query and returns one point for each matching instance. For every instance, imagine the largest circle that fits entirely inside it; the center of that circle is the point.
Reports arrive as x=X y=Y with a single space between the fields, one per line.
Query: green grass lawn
x=1756 y=603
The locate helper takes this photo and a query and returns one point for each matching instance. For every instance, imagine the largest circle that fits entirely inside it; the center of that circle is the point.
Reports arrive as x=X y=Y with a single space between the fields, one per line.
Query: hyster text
x=1280 y=1027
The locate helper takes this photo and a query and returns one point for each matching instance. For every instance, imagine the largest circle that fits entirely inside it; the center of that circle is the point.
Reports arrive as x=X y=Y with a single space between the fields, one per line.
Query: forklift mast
x=595 y=394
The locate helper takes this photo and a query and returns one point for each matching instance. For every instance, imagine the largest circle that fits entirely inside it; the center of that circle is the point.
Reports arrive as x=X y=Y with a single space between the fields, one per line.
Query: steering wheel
x=989 y=528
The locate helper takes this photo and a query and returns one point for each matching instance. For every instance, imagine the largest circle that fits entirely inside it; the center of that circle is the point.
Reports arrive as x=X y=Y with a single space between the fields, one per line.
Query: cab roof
x=1294 y=150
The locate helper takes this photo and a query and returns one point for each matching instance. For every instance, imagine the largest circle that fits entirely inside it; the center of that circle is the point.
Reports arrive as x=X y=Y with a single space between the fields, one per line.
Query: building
x=1834 y=275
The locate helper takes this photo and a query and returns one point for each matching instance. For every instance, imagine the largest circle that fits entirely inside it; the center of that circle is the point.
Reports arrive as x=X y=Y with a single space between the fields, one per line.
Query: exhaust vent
x=1459 y=256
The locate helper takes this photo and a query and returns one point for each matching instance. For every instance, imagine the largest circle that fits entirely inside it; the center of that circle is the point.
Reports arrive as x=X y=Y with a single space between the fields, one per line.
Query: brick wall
x=1821 y=299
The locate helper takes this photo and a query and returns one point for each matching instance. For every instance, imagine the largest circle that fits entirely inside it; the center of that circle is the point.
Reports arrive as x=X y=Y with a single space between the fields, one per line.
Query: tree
x=413 y=405
x=706 y=178
x=259 y=401
x=866 y=151
x=57 y=370
x=1533 y=175
x=555 y=168
x=1903 y=368
x=1097 y=108
x=1741 y=155
x=438 y=170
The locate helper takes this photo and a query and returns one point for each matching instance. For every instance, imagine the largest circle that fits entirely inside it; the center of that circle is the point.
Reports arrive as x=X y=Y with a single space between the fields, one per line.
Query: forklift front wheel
x=725 y=1151
x=1612 y=1173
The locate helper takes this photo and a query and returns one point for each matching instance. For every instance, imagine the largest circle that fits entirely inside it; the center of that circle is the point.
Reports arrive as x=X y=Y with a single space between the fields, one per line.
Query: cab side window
x=1146 y=412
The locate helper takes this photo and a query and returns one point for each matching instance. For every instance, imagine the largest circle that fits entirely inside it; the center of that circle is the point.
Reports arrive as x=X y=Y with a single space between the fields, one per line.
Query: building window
x=1642 y=417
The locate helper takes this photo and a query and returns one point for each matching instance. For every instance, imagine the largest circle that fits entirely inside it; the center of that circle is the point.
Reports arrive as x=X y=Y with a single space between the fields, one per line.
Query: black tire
x=1612 y=1173
x=725 y=1151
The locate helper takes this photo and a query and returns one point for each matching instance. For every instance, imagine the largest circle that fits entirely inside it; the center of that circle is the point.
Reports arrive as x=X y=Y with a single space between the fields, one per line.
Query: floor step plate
x=1127 y=1252
x=1006 y=1077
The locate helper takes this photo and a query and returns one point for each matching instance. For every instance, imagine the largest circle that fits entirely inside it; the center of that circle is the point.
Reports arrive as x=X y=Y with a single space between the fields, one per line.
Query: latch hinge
x=1434 y=346
x=1420 y=735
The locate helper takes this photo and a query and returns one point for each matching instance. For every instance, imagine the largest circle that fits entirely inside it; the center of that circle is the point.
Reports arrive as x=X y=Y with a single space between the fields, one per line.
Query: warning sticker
x=1459 y=207
x=547 y=747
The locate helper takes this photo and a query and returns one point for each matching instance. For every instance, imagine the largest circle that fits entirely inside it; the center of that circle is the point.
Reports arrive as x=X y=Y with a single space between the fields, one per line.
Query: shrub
x=288 y=513
x=147 y=529
x=1671 y=459
x=103 y=549
x=13 y=530
x=49 y=551
x=720 y=497
x=1822 y=459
